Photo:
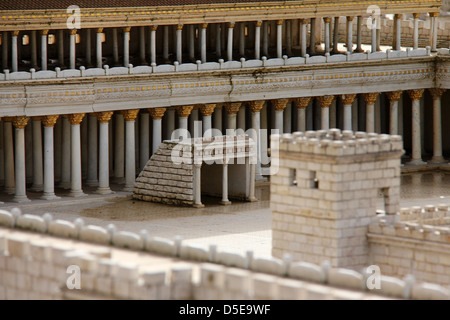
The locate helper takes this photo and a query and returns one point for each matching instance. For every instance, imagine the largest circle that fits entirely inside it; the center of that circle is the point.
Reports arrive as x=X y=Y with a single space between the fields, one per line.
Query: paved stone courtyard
x=239 y=227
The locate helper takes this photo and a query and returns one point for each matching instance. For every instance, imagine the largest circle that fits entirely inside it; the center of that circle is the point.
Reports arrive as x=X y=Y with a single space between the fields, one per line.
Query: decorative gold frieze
x=157 y=113
x=50 y=120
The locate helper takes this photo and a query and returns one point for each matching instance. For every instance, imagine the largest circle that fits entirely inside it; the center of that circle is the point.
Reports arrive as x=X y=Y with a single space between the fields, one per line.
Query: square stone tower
x=326 y=192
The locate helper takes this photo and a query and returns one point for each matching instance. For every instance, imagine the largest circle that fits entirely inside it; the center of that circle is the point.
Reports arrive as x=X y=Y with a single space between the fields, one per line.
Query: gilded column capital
x=184 y=111
x=416 y=15
x=104 y=117
x=279 y=104
x=434 y=14
x=259 y=23
x=99 y=30
x=394 y=96
x=232 y=107
x=327 y=19
x=75 y=118
x=50 y=120
x=130 y=115
x=279 y=22
x=302 y=103
x=347 y=99
x=20 y=122
x=126 y=29
x=15 y=33
x=325 y=101
x=436 y=92
x=256 y=105
x=350 y=18
x=204 y=25
x=153 y=27
x=304 y=21
x=207 y=109
x=415 y=95
x=179 y=27
x=398 y=15
x=73 y=32
x=44 y=32
x=157 y=113
x=371 y=97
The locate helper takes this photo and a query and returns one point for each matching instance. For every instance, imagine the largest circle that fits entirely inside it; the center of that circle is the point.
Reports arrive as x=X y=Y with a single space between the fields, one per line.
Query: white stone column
x=44 y=41
x=256 y=107
x=327 y=21
x=350 y=34
x=203 y=42
x=397 y=31
x=98 y=42
x=303 y=45
x=279 y=38
x=258 y=40
x=92 y=163
x=119 y=148
x=225 y=200
x=416 y=157
x=153 y=29
x=393 y=97
x=60 y=44
x=75 y=155
x=130 y=157
x=183 y=115
x=9 y=155
x=14 y=52
x=433 y=30
x=230 y=42
x=72 y=52
x=416 y=31
x=156 y=114
x=437 y=126
x=370 y=99
x=38 y=175
x=279 y=105
x=312 y=37
x=5 y=36
x=115 y=47
x=374 y=33
x=207 y=111
x=336 y=35
x=232 y=110
x=144 y=139
x=20 y=194
x=347 y=101
x=265 y=38
x=242 y=39
x=126 y=46
x=65 y=154
x=166 y=44
x=325 y=102
x=359 y=34
x=49 y=181
x=179 y=44
x=197 y=186
x=103 y=165
x=301 y=104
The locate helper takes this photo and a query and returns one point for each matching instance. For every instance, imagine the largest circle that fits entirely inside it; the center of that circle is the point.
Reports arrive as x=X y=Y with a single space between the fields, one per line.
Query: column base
x=438 y=160
x=253 y=199
x=417 y=162
x=50 y=196
x=92 y=183
x=64 y=185
x=37 y=188
x=77 y=194
x=21 y=199
x=198 y=205
x=225 y=203
x=104 y=191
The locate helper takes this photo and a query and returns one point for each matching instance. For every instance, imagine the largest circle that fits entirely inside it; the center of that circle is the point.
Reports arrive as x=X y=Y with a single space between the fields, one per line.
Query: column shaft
x=44 y=50
x=65 y=156
x=103 y=174
x=230 y=42
x=92 y=151
x=14 y=53
x=144 y=140
x=258 y=40
x=126 y=47
x=9 y=157
x=20 y=194
x=38 y=178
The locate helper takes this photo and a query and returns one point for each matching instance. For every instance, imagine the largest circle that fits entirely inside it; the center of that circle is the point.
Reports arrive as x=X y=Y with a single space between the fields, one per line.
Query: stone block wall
x=419 y=244
x=326 y=191
x=164 y=181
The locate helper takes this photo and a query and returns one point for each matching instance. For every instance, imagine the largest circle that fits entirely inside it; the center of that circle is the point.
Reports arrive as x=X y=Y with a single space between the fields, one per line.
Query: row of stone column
x=261 y=41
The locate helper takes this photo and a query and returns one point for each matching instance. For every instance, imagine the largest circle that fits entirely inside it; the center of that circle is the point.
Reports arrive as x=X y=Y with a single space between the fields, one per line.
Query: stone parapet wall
x=419 y=246
x=36 y=252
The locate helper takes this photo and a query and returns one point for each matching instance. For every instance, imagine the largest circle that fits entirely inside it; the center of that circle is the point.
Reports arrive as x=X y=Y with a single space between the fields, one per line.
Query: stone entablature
x=279 y=81
x=11 y=20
